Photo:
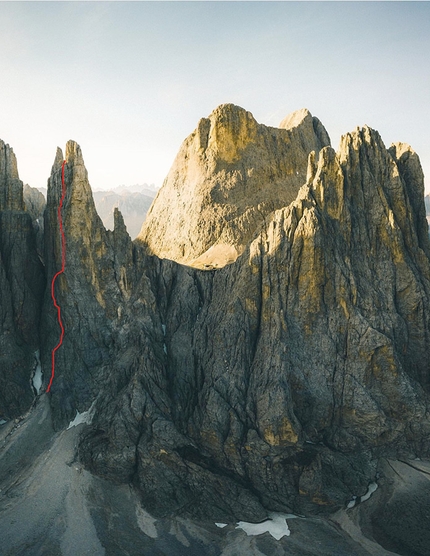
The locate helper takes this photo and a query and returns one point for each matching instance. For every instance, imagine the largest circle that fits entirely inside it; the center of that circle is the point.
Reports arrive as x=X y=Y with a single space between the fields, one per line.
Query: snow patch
x=277 y=526
x=371 y=489
x=38 y=375
x=163 y=326
x=2 y=421
x=146 y=523
x=165 y=348
x=221 y=525
x=351 y=503
x=359 y=499
x=85 y=417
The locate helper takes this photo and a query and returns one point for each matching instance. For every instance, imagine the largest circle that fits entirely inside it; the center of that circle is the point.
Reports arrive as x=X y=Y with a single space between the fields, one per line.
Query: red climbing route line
x=63 y=265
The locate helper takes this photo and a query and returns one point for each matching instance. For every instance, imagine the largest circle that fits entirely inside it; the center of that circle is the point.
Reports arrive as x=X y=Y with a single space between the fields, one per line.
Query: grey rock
x=35 y=204
x=89 y=292
x=21 y=286
x=289 y=372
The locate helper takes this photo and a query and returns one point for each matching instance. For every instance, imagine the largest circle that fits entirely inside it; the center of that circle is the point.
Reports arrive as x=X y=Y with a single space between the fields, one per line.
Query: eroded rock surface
x=90 y=292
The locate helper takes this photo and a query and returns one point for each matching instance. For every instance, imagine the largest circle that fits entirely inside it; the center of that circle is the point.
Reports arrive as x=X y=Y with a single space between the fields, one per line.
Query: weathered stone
x=89 y=292
x=290 y=371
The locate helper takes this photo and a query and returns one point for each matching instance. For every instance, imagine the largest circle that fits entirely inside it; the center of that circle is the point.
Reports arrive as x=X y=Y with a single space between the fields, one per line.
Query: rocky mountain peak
x=21 y=287
x=411 y=172
x=11 y=197
x=96 y=276
x=296 y=118
x=229 y=174
x=226 y=133
x=309 y=126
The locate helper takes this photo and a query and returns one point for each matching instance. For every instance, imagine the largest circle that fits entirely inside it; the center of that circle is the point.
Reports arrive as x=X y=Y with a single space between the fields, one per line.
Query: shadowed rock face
x=35 y=204
x=90 y=292
x=278 y=381
x=21 y=287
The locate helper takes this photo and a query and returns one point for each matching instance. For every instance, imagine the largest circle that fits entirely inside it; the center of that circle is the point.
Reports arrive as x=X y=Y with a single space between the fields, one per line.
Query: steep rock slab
x=229 y=174
x=21 y=286
x=278 y=381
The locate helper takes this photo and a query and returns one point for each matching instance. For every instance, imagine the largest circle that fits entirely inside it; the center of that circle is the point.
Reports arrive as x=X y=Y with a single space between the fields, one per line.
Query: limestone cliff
x=21 y=287
x=229 y=174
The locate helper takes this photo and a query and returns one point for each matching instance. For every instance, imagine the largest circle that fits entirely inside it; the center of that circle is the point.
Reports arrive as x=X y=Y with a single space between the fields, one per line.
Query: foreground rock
x=50 y=505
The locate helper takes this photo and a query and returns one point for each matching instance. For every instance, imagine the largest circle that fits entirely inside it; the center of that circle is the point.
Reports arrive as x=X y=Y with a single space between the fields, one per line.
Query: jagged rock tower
x=21 y=287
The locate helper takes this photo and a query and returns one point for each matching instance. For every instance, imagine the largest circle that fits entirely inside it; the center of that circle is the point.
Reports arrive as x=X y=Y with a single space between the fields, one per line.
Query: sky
x=130 y=80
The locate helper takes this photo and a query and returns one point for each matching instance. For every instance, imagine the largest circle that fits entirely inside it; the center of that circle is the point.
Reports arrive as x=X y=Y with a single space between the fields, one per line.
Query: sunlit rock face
x=21 y=291
x=229 y=174
x=276 y=374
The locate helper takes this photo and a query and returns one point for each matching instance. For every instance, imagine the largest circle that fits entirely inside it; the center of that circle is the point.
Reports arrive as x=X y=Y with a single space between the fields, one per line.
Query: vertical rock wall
x=21 y=287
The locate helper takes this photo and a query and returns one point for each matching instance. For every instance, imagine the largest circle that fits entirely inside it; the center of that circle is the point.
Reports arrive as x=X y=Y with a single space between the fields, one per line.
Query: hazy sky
x=129 y=81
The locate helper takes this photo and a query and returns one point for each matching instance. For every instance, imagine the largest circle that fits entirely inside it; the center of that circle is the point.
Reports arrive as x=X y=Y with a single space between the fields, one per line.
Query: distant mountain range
x=151 y=190
x=132 y=200
x=132 y=204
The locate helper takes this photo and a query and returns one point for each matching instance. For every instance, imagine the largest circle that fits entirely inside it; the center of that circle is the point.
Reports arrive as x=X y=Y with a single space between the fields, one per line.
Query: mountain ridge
x=282 y=381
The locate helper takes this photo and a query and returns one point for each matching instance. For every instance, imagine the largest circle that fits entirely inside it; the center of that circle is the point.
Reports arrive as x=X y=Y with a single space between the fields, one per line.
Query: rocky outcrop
x=11 y=195
x=21 y=286
x=228 y=176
